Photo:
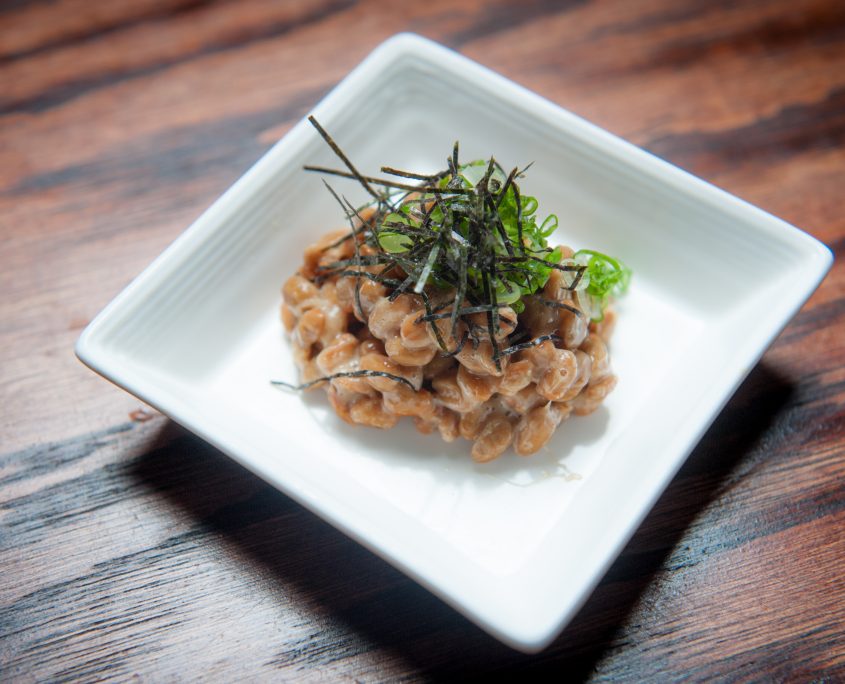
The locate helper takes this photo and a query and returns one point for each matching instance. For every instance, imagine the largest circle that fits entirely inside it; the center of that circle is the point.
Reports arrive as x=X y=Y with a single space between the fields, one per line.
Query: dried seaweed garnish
x=375 y=277
x=383 y=181
x=553 y=337
x=341 y=240
x=467 y=229
x=344 y=374
x=518 y=336
x=336 y=149
x=552 y=304
x=463 y=311
x=492 y=319
x=351 y=213
x=457 y=350
x=409 y=174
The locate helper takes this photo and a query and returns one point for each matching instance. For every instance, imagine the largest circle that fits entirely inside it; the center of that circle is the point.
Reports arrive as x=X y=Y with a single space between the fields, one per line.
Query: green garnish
x=606 y=277
x=470 y=230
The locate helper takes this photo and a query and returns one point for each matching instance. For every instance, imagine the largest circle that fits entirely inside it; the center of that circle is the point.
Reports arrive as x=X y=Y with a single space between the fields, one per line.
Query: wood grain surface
x=130 y=549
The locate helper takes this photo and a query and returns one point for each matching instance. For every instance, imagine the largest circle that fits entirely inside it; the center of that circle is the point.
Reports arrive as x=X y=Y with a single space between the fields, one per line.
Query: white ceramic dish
x=516 y=545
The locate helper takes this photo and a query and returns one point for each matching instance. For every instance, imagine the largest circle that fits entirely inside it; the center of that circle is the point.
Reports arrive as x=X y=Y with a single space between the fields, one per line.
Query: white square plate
x=516 y=545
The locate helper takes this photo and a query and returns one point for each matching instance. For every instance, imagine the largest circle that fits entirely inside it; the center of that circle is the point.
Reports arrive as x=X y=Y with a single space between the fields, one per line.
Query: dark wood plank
x=128 y=547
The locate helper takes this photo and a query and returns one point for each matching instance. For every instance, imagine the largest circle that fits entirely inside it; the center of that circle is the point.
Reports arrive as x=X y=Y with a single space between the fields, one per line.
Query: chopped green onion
x=607 y=278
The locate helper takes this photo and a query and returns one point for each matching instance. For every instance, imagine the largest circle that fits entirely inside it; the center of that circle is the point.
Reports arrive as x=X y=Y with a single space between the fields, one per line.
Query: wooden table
x=128 y=547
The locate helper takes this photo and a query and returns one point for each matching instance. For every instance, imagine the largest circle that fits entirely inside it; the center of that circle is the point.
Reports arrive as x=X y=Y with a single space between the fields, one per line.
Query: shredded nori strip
x=578 y=270
x=517 y=336
x=357 y=260
x=336 y=149
x=404 y=285
x=340 y=241
x=409 y=174
x=457 y=350
x=437 y=336
x=554 y=337
x=466 y=311
x=375 y=277
x=492 y=319
x=344 y=374
x=504 y=191
x=520 y=238
x=473 y=333
x=366 y=260
x=386 y=183
x=462 y=288
x=552 y=304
